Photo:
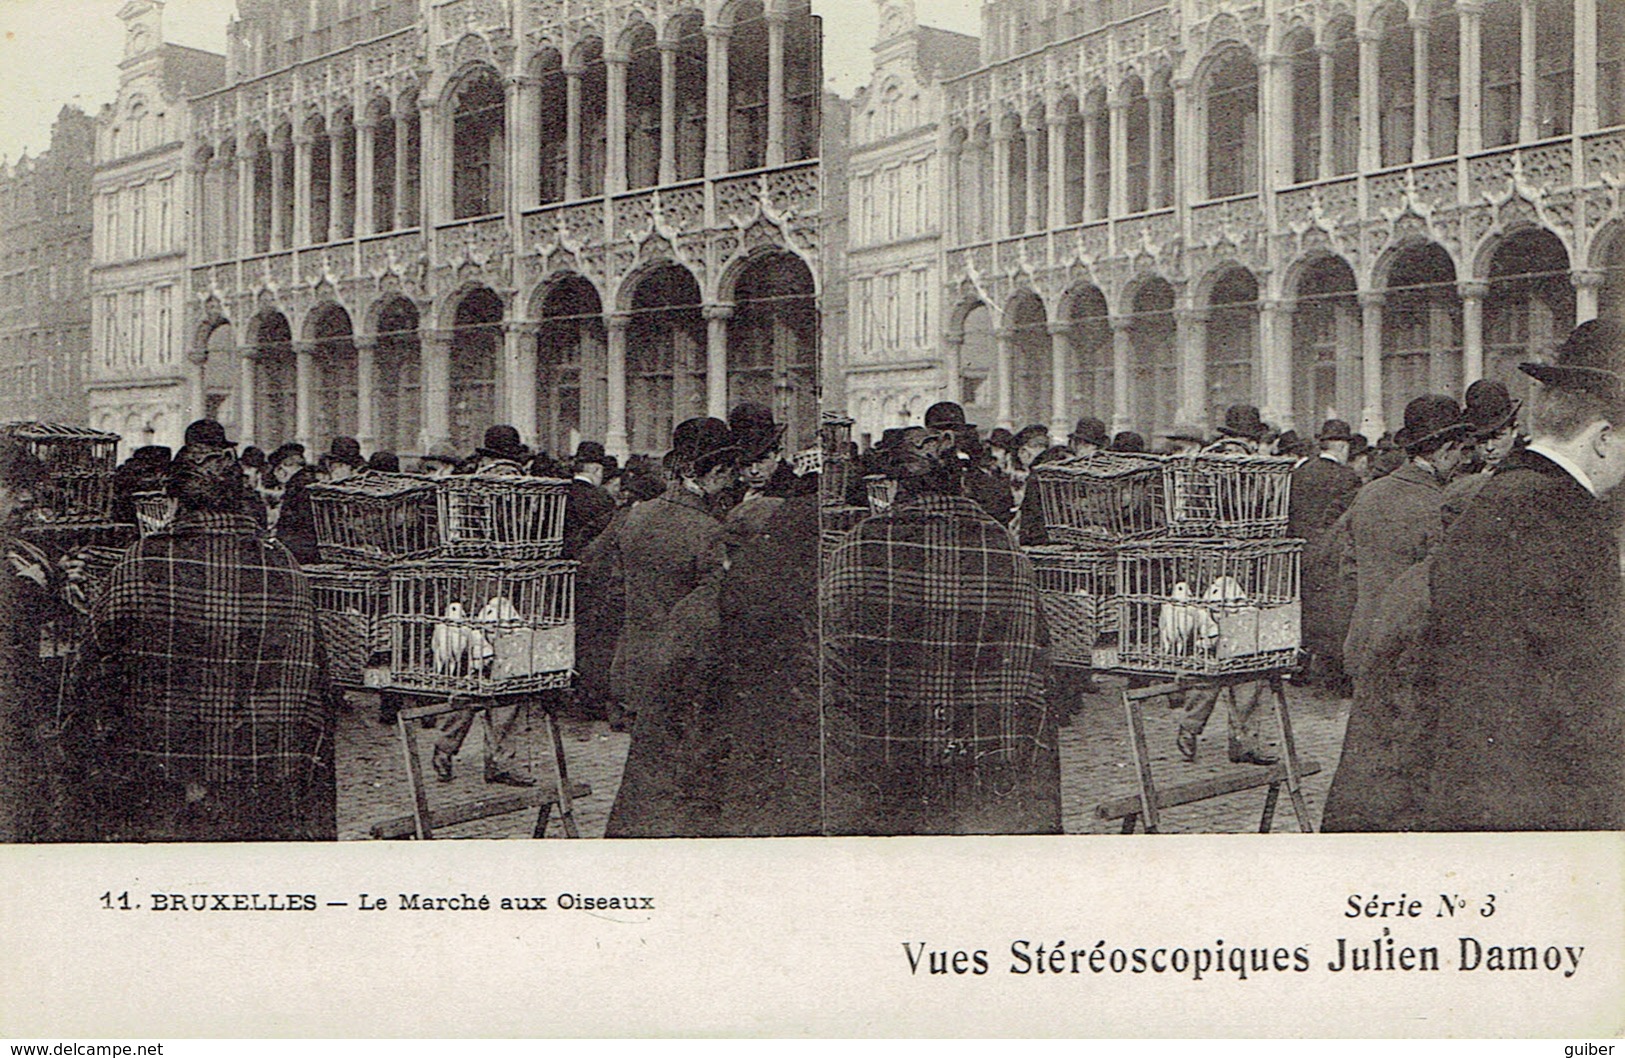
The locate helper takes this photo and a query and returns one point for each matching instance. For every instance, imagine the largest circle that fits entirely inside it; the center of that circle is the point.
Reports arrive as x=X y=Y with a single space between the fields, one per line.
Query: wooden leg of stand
x=1267 y=820
x=561 y=777
x=1129 y=822
x=1142 y=763
x=1289 y=753
x=414 y=771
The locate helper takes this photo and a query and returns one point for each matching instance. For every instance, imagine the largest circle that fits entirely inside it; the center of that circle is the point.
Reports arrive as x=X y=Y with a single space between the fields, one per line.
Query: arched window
x=478 y=151
x=1232 y=125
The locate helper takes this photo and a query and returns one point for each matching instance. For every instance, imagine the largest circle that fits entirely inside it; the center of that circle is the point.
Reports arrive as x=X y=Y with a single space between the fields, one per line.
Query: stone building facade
x=1322 y=207
x=45 y=230
x=590 y=220
x=141 y=383
x=895 y=222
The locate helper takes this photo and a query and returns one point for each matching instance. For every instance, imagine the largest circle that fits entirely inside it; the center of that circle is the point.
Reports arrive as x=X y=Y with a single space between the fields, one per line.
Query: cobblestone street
x=1095 y=765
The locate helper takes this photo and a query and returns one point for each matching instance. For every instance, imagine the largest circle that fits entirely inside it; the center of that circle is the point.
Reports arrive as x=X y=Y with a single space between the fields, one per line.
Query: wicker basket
x=1208 y=607
x=153 y=511
x=1231 y=496
x=78 y=464
x=377 y=519
x=501 y=517
x=1078 y=590
x=481 y=627
x=1106 y=498
x=350 y=605
x=882 y=492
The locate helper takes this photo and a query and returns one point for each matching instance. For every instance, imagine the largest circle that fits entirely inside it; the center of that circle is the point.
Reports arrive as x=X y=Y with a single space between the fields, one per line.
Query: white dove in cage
x=455 y=646
x=1178 y=621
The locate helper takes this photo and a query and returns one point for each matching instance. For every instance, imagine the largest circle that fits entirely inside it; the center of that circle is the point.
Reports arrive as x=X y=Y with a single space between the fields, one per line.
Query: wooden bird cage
x=78 y=463
x=1078 y=590
x=485 y=516
x=481 y=627
x=153 y=511
x=1231 y=496
x=351 y=603
x=376 y=519
x=1105 y=498
x=1209 y=607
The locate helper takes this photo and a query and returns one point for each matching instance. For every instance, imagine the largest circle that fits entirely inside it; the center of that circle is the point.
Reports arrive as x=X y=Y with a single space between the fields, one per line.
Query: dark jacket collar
x=1413 y=473
x=1523 y=459
x=678 y=494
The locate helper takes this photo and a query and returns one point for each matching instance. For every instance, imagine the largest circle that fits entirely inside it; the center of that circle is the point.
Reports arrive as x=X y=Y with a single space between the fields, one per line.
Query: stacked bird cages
x=153 y=512
x=1204 y=581
x=351 y=603
x=377 y=519
x=836 y=467
x=482 y=626
x=501 y=517
x=1210 y=607
x=1077 y=587
x=78 y=464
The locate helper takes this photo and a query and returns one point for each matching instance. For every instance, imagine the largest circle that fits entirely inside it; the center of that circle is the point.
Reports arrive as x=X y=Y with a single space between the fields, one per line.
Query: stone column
x=403 y=126
x=1003 y=366
x=435 y=379
x=1117 y=158
x=1180 y=192
x=196 y=199
x=953 y=194
x=364 y=204
x=304 y=395
x=1277 y=122
x=1370 y=115
x=1154 y=102
x=1421 y=143
x=1122 y=356
x=335 y=185
x=431 y=207
x=301 y=189
x=716 y=110
x=572 y=132
x=1060 y=360
x=195 y=361
x=1275 y=361
x=1002 y=225
x=615 y=64
x=1586 y=285
x=279 y=195
x=519 y=376
x=1469 y=132
x=615 y=439
x=1371 y=416
x=246 y=204
x=524 y=113
x=1585 y=63
x=247 y=374
x=366 y=389
x=716 y=359
x=1190 y=334
x=1528 y=78
x=775 y=86
x=1328 y=100
x=1472 y=329
x=1030 y=140
x=1091 y=194
x=953 y=350
x=668 y=112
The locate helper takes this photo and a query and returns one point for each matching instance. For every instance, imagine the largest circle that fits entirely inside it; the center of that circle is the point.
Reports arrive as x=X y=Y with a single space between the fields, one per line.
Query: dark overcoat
x=1393 y=523
x=1526 y=660
x=587 y=511
x=1322 y=490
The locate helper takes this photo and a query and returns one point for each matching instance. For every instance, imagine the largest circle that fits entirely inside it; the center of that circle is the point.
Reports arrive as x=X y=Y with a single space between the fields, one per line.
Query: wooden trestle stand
x=1145 y=807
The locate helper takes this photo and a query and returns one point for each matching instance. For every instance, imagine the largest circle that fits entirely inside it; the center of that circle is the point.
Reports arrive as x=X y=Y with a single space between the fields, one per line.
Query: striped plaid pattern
x=204 y=658
x=935 y=653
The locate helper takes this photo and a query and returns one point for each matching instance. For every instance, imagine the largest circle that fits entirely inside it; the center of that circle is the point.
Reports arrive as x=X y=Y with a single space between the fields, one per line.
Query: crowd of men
x=1461 y=581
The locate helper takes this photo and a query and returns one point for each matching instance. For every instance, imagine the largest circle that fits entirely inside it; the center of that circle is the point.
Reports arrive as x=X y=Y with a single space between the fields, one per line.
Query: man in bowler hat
x=1322 y=489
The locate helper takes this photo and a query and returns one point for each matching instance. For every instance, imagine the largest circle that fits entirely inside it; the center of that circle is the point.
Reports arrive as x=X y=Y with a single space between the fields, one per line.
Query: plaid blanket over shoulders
x=935 y=675
x=204 y=662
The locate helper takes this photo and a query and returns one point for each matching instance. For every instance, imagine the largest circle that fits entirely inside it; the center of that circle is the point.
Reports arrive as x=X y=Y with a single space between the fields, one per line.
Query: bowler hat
x=502 y=442
x=1335 y=430
x=754 y=430
x=285 y=452
x=1090 y=430
x=384 y=462
x=1243 y=420
x=1490 y=408
x=1591 y=359
x=1127 y=441
x=1001 y=440
x=151 y=455
x=590 y=452
x=944 y=414
x=208 y=432
x=1431 y=417
x=702 y=444
x=345 y=450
